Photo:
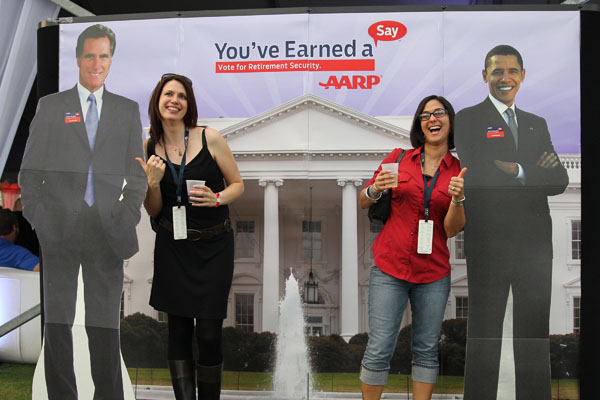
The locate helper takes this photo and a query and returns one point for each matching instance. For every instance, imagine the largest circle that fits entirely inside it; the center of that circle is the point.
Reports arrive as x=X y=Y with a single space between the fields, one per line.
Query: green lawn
x=15 y=382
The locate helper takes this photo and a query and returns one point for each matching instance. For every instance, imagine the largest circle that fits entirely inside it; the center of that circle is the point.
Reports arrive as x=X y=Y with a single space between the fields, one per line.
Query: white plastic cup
x=190 y=185
x=394 y=168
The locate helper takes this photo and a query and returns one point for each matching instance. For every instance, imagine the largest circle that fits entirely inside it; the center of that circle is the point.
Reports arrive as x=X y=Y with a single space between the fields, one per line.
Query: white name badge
x=179 y=223
x=425 y=243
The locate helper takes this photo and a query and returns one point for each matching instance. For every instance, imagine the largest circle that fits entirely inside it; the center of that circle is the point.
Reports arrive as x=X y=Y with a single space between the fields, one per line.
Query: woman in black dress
x=193 y=254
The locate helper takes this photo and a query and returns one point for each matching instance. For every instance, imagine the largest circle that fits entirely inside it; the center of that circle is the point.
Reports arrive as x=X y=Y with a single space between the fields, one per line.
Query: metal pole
x=562 y=356
x=307 y=386
x=136 y=381
x=20 y=320
x=73 y=8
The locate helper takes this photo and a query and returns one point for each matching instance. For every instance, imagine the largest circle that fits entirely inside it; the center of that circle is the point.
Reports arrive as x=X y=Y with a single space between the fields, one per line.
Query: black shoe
x=182 y=376
x=209 y=381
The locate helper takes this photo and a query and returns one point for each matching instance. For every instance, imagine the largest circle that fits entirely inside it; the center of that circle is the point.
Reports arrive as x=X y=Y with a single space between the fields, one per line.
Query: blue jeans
x=387 y=301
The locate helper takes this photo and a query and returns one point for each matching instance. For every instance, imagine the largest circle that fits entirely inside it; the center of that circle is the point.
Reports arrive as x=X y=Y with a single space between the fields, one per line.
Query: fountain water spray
x=292 y=377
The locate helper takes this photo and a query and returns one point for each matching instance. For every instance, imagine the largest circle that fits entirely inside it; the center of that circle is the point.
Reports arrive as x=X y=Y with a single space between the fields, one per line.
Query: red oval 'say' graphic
x=387 y=31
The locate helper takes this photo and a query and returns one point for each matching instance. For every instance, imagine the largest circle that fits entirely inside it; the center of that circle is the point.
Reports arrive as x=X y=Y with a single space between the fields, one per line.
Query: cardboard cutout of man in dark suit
x=508 y=236
x=82 y=190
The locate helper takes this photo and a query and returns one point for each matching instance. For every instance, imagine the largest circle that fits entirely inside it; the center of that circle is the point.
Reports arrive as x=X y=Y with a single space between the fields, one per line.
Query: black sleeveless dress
x=192 y=278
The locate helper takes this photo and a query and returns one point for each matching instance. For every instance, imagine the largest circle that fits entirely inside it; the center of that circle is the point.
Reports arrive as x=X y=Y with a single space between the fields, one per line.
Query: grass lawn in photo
x=15 y=382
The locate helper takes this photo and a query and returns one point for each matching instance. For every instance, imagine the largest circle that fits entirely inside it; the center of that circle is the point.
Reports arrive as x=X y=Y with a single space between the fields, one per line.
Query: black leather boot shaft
x=209 y=381
x=182 y=377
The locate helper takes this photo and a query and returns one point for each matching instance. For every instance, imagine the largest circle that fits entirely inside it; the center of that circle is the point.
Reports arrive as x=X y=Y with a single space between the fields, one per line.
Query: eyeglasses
x=440 y=112
x=171 y=75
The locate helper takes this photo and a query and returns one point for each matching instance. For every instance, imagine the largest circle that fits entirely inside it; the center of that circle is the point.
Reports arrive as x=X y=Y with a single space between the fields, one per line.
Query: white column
x=349 y=272
x=270 y=313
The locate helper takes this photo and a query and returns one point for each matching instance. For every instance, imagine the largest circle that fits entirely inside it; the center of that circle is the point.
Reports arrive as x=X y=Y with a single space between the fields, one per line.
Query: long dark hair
x=190 y=119
x=417 y=137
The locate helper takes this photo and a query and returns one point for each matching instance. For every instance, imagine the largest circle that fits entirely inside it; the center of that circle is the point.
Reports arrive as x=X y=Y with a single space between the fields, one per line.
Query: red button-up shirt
x=395 y=248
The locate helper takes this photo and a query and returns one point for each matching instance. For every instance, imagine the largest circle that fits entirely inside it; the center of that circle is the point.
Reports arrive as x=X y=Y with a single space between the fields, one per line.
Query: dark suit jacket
x=506 y=218
x=53 y=173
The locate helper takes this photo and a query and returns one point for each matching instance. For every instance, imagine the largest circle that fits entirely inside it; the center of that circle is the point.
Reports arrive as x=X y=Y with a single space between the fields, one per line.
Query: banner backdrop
x=376 y=63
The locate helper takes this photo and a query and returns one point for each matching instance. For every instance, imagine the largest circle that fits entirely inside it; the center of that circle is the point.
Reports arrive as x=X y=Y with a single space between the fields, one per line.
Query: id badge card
x=179 y=223
x=425 y=243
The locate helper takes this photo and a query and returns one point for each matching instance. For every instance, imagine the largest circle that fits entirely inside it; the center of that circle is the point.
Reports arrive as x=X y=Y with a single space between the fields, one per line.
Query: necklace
x=178 y=150
x=432 y=167
x=434 y=162
x=175 y=147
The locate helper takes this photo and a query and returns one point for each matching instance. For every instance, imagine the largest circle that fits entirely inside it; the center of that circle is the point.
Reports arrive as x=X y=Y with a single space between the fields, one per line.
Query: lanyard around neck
x=427 y=189
x=179 y=179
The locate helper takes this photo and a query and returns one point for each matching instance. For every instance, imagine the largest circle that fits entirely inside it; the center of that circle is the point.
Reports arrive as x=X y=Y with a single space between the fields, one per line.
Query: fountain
x=292 y=379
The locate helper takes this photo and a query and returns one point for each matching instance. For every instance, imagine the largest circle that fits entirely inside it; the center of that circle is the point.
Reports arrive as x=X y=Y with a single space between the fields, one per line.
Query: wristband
x=218 y=199
x=458 y=203
x=374 y=186
x=373 y=195
x=369 y=195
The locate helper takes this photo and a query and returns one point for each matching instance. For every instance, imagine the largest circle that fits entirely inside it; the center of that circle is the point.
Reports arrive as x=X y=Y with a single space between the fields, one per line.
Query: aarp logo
x=351 y=82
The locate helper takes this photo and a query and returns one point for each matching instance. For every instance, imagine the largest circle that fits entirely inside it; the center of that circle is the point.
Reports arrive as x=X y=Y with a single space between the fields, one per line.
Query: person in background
x=193 y=253
x=12 y=255
x=411 y=253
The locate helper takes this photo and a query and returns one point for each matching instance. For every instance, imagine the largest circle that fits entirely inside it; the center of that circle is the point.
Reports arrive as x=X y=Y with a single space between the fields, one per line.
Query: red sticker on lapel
x=71 y=117
x=494 y=132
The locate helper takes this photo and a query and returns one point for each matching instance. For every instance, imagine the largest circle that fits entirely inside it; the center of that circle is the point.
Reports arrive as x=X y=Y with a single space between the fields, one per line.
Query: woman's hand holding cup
x=385 y=180
x=195 y=189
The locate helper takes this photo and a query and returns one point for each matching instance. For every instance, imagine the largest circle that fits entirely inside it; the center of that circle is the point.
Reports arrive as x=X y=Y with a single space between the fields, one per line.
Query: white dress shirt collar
x=501 y=107
x=83 y=99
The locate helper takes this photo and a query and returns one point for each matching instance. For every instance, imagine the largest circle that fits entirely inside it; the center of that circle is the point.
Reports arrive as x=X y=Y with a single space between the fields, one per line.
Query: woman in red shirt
x=411 y=253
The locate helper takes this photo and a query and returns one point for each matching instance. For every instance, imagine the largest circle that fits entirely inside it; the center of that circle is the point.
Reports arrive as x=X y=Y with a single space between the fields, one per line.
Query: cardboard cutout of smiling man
x=82 y=190
x=513 y=168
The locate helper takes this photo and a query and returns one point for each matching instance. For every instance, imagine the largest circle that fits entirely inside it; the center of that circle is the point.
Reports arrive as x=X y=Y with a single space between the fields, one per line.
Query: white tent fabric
x=19 y=21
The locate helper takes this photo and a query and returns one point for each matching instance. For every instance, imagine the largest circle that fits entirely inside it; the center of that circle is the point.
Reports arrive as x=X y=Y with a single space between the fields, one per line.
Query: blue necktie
x=91 y=126
x=512 y=124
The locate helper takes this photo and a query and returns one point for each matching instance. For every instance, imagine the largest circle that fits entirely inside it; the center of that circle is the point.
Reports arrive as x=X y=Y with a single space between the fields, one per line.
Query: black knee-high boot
x=182 y=376
x=209 y=381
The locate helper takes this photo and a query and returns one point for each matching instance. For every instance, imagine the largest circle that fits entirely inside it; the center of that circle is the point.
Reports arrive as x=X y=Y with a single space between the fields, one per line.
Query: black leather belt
x=199 y=234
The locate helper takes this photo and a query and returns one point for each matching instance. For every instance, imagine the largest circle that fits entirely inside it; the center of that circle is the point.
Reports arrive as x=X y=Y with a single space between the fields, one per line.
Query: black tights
x=208 y=337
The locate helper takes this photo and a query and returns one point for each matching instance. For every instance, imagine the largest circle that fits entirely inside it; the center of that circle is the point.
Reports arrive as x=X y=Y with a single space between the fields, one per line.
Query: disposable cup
x=394 y=168
x=190 y=185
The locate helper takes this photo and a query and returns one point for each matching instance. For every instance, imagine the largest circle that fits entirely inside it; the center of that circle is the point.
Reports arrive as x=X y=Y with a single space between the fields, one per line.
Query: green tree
x=453 y=341
x=143 y=342
x=248 y=351
x=330 y=354
x=401 y=360
x=564 y=356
